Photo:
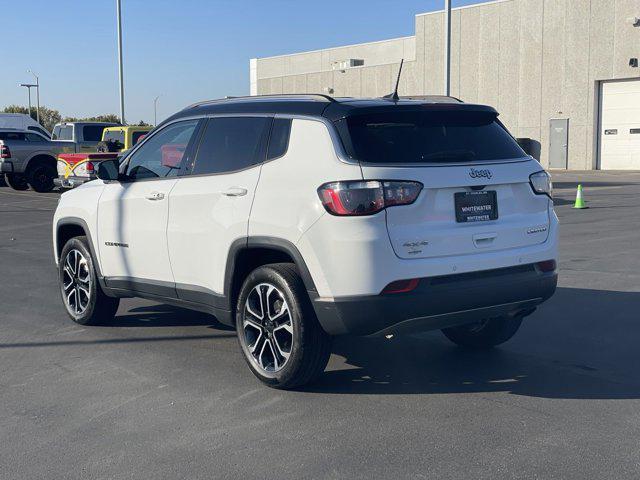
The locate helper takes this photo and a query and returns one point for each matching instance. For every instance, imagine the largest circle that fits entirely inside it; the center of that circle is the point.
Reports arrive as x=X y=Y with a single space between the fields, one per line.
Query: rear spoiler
x=335 y=113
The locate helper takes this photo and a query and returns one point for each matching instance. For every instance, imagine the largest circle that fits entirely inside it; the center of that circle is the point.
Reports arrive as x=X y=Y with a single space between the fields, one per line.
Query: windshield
x=427 y=137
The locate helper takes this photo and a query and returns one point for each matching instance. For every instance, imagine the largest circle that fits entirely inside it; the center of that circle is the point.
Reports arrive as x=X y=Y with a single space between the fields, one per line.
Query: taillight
x=5 y=152
x=90 y=167
x=541 y=183
x=366 y=197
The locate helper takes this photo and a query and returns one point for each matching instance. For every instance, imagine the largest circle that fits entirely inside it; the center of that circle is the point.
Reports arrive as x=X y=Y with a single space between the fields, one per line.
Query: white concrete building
x=561 y=72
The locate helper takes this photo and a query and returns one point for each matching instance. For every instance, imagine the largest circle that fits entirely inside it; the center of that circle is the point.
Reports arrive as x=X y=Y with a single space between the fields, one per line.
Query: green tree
x=109 y=117
x=48 y=116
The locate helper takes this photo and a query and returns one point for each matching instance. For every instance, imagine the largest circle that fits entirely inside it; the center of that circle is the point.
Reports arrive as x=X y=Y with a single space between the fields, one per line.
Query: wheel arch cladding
x=69 y=227
x=66 y=232
x=247 y=254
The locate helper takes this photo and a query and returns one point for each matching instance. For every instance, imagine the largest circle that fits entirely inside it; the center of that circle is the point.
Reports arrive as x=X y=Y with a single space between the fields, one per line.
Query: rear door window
x=32 y=137
x=15 y=136
x=231 y=143
x=279 y=140
x=92 y=133
x=412 y=137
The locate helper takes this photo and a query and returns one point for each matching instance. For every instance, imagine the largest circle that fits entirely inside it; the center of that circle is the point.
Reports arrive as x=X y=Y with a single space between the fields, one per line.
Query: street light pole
x=447 y=47
x=28 y=86
x=119 y=21
x=37 y=95
x=155 y=111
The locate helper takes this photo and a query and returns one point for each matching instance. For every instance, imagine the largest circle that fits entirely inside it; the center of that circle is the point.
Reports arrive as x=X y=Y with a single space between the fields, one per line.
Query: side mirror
x=109 y=169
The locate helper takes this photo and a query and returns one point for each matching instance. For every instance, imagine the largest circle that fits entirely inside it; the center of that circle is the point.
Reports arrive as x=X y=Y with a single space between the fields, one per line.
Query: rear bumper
x=439 y=302
x=71 y=182
x=6 y=166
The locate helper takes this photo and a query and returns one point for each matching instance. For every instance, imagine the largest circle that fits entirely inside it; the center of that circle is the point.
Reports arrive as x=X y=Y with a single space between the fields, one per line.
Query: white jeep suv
x=297 y=218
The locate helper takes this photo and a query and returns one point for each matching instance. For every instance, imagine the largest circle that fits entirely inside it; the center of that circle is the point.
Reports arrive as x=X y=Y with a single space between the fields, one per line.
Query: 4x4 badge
x=473 y=173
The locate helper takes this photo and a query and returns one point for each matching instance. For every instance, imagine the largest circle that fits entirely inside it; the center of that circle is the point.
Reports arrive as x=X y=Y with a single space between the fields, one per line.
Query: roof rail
x=274 y=95
x=434 y=98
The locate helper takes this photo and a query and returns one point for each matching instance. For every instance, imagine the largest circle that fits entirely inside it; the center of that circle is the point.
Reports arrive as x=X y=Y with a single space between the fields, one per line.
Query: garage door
x=620 y=124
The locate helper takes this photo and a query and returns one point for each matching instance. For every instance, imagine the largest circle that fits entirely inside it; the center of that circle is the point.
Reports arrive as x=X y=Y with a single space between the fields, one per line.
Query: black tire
x=485 y=334
x=16 y=181
x=40 y=177
x=100 y=308
x=309 y=346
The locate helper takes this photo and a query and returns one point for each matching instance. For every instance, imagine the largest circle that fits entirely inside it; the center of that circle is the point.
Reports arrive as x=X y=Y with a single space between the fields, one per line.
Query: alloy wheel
x=267 y=328
x=76 y=282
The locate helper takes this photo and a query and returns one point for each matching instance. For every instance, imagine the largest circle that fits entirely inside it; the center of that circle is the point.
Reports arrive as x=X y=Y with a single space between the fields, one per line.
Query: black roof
x=318 y=105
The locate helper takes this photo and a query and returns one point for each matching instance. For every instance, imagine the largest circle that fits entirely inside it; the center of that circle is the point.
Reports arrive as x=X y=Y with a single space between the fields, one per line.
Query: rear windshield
x=63 y=132
x=427 y=137
x=115 y=136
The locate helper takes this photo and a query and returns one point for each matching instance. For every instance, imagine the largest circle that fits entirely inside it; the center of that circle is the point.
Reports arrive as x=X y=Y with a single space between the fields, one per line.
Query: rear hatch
x=476 y=193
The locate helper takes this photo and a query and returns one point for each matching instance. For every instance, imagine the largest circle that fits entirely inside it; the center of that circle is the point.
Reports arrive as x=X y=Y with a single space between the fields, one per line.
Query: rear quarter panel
x=286 y=202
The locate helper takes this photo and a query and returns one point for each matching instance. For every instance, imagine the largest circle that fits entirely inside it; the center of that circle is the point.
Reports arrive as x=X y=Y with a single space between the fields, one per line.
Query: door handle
x=235 y=192
x=155 y=196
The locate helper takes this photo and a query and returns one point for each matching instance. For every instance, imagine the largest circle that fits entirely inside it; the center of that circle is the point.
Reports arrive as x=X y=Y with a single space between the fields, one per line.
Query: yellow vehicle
x=121 y=138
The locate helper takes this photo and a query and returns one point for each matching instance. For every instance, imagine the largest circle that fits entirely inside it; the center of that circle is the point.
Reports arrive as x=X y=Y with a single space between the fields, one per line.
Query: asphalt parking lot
x=164 y=392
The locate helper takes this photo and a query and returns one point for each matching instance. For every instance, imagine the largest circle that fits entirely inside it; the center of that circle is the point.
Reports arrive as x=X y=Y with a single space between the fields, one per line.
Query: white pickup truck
x=29 y=159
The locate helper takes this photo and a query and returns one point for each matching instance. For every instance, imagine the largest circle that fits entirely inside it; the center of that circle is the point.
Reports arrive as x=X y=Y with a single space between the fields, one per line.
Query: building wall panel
x=469 y=54
x=530 y=72
x=376 y=81
x=509 y=65
x=489 y=55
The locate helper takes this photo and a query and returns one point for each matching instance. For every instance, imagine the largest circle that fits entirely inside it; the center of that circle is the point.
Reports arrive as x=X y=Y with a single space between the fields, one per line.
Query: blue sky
x=183 y=50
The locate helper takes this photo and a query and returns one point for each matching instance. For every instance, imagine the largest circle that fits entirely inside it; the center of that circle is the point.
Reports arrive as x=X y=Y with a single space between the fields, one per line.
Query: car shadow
x=562 y=201
x=582 y=344
x=591 y=184
x=162 y=315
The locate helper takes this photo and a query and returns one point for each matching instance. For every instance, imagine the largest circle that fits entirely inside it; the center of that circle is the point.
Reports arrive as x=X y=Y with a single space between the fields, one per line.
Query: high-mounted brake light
x=5 y=152
x=366 y=197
